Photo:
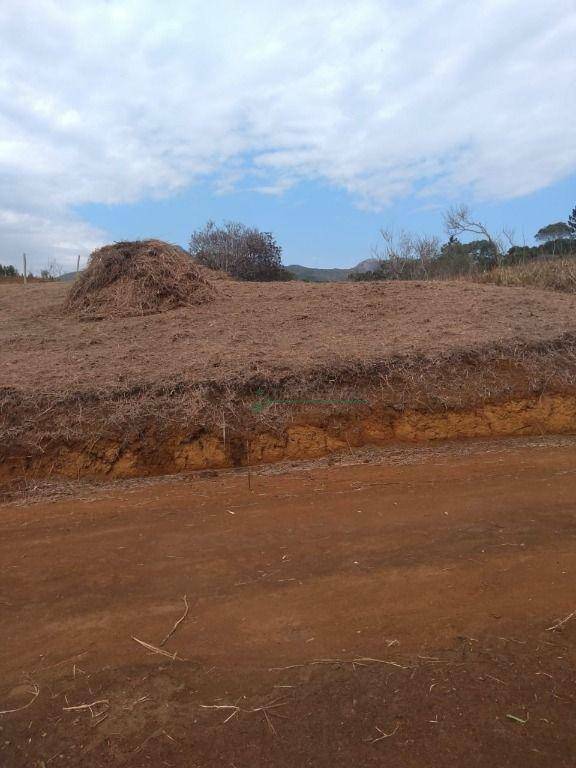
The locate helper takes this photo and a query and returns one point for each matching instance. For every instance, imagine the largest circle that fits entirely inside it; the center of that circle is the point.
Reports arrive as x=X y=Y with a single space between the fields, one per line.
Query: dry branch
x=383 y=735
x=99 y=704
x=154 y=649
x=177 y=624
x=561 y=622
x=35 y=693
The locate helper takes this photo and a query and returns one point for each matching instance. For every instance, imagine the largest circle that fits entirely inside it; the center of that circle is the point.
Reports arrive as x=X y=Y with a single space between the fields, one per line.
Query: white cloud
x=117 y=100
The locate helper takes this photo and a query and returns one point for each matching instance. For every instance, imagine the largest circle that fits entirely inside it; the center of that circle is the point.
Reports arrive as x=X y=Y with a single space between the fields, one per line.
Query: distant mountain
x=314 y=275
x=368 y=265
x=310 y=274
x=68 y=276
x=318 y=275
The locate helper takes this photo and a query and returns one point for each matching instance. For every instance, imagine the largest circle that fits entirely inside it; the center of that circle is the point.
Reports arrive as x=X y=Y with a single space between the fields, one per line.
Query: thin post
x=78 y=264
x=25 y=271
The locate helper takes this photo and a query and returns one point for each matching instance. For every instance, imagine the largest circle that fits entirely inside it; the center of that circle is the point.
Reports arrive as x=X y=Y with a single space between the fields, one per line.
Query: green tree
x=556 y=231
x=8 y=271
x=572 y=223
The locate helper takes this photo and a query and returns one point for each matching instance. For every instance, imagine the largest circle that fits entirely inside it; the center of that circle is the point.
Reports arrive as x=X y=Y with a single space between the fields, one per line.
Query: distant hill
x=311 y=274
x=318 y=275
x=368 y=265
x=68 y=276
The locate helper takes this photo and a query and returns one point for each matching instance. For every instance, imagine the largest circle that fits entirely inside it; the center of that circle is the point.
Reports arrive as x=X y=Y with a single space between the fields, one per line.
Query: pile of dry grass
x=142 y=277
x=554 y=274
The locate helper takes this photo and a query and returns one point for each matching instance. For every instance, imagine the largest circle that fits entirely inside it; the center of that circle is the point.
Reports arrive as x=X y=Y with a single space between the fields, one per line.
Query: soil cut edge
x=302 y=438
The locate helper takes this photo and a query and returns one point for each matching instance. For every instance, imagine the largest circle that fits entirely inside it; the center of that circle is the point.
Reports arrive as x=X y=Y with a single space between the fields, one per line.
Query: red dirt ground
x=438 y=572
x=266 y=329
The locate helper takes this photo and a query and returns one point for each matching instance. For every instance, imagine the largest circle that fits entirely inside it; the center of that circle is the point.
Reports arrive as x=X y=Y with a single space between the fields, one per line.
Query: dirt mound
x=142 y=277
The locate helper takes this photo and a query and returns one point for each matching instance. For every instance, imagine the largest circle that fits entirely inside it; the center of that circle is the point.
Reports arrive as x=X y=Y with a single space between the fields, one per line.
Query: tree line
x=52 y=272
x=408 y=257
x=246 y=253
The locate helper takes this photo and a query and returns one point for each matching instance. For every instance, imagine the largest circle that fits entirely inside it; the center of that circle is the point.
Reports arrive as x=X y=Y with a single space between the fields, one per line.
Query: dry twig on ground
x=154 y=649
x=35 y=691
x=177 y=624
x=561 y=622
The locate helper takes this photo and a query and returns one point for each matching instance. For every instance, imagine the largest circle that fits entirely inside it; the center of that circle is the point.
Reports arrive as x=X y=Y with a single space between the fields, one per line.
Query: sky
x=318 y=120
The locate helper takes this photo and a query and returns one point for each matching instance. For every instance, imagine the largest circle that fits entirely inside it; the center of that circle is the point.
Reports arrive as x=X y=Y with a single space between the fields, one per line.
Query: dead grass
x=79 y=397
x=130 y=279
x=148 y=418
x=551 y=274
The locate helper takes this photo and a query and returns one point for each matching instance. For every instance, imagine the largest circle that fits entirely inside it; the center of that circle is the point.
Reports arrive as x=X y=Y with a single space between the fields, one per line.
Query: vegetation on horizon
x=8 y=272
x=554 y=273
x=247 y=253
x=409 y=257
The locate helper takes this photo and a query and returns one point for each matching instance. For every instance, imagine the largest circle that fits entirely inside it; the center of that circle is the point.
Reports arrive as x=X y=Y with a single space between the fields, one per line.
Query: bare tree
x=426 y=249
x=458 y=220
x=509 y=234
x=52 y=271
x=399 y=246
x=396 y=251
x=406 y=256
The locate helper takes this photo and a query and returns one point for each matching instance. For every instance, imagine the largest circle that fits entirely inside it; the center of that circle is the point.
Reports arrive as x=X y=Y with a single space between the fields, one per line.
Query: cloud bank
x=114 y=101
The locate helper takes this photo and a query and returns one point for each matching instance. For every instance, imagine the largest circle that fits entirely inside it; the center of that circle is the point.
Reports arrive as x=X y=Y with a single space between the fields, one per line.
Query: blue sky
x=318 y=225
x=320 y=120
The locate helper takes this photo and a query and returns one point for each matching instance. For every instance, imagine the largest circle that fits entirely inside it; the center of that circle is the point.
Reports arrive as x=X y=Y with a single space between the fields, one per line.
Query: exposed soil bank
x=304 y=437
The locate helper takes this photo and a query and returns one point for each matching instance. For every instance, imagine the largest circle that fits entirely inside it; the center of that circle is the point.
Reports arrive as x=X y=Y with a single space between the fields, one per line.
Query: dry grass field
x=555 y=274
x=266 y=371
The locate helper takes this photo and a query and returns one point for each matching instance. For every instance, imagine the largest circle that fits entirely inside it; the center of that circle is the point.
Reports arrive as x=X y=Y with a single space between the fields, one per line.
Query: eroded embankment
x=307 y=436
x=174 y=426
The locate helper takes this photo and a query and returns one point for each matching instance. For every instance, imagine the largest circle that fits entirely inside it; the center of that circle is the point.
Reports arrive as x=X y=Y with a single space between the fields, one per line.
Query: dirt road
x=395 y=612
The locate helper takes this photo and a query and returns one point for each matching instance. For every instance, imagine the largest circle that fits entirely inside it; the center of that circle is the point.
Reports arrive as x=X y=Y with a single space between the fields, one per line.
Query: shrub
x=243 y=252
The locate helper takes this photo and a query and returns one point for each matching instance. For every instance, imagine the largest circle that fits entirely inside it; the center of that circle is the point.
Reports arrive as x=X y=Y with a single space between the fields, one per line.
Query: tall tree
x=458 y=220
x=572 y=223
x=555 y=231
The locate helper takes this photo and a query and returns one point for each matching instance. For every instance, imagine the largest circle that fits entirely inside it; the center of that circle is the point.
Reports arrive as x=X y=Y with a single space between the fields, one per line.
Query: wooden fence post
x=78 y=264
x=25 y=272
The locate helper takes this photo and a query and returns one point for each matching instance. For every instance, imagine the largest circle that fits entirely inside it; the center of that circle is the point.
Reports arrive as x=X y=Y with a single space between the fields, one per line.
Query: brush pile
x=137 y=278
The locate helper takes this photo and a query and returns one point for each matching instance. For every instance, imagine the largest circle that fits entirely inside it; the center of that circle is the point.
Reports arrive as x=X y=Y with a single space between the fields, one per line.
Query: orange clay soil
x=268 y=371
x=397 y=612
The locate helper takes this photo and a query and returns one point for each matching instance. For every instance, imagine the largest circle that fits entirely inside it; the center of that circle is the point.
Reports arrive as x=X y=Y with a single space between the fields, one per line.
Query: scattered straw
x=359 y=661
x=98 y=709
x=266 y=709
x=368 y=660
